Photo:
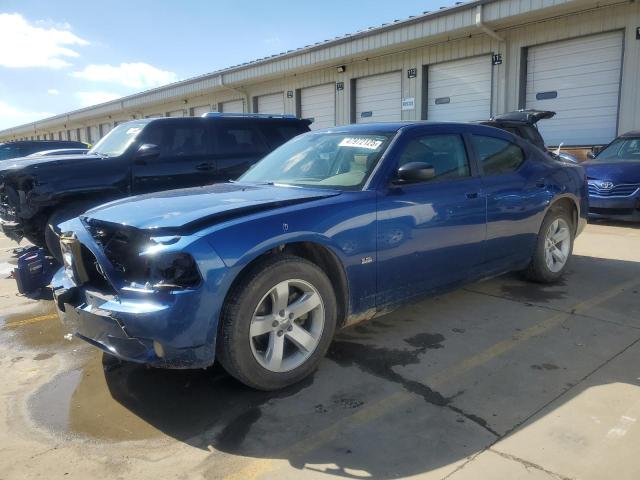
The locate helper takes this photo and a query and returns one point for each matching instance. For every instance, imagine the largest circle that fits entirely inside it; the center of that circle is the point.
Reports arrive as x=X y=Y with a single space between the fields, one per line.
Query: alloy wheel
x=287 y=325
x=557 y=245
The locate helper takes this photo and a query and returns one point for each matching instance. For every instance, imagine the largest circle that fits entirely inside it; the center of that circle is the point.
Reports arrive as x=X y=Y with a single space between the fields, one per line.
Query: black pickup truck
x=140 y=156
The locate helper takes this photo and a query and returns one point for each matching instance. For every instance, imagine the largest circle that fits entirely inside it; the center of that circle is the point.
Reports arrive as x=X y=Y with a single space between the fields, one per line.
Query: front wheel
x=553 y=248
x=277 y=323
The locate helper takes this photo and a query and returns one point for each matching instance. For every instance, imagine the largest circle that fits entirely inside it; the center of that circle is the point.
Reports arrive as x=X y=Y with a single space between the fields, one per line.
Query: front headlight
x=173 y=270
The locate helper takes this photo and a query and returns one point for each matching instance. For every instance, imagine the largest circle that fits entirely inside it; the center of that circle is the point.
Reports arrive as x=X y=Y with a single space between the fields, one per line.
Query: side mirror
x=415 y=172
x=147 y=151
x=591 y=155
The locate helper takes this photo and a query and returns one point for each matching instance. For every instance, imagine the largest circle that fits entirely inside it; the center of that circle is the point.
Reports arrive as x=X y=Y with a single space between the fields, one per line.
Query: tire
x=252 y=327
x=52 y=232
x=545 y=266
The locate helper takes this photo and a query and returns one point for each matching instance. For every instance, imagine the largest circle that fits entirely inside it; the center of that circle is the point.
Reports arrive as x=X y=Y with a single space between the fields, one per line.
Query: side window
x=277 y=134
x=177 y=141
x=497 y=156
x=445 y=153
x=238 y=138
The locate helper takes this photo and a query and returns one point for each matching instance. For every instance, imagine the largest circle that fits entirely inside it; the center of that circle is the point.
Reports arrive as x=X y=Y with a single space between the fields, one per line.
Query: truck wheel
x=553 y=247
x=277 y=323
x=52 y=232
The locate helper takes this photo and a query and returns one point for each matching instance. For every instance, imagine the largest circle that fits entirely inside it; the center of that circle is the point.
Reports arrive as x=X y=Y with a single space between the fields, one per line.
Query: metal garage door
x=176 y=113
x=379 y=98
x=234 y=106
x=199 y=111
x=319 y=103
x=94 y=134
x=580 y=80
x=273 y=103
x=104 y=129
x=460 y=90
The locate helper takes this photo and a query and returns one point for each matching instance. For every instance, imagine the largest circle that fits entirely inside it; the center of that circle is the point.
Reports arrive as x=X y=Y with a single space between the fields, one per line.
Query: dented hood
x=193 y=208
x=33 y=164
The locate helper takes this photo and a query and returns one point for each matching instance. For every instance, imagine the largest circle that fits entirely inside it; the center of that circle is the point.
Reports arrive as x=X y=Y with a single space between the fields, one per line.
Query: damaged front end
x=139 y=294
x=17 y=212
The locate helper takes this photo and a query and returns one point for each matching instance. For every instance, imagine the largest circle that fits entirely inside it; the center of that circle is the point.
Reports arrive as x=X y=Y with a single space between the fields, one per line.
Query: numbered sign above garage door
x=379 y=98
x=579 y=79
x=460 y=90
x=233 y=106
x=319 y=104
x=273 y=103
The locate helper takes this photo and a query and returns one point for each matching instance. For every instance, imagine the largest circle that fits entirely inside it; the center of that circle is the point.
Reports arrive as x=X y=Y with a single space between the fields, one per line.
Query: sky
x=63 y=55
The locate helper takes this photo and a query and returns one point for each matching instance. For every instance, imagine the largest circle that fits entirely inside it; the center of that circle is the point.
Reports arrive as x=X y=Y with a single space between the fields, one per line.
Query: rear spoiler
x=528 y=116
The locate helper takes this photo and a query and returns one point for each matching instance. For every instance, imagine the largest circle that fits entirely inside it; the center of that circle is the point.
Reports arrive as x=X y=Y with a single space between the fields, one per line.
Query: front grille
x=611 y=211
x=621 y=190
x=96 y=277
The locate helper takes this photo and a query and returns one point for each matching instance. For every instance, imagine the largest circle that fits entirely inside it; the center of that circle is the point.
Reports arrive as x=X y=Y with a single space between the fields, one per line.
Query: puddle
x=36 y=327
x=114 y=401
x=531 y=292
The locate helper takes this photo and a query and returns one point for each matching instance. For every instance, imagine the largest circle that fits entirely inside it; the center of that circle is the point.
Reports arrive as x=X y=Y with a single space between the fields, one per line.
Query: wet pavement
x=501 y=379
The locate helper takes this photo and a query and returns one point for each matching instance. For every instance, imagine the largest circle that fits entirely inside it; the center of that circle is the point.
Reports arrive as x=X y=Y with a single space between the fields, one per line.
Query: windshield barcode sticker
x=368 y=143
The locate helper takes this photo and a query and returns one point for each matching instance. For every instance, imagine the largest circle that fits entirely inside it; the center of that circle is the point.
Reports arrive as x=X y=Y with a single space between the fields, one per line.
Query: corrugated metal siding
x=427 y=40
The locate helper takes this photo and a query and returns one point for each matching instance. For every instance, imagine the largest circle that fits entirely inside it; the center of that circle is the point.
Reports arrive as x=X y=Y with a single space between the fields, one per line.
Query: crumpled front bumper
x=109 y=323
x=162 y=328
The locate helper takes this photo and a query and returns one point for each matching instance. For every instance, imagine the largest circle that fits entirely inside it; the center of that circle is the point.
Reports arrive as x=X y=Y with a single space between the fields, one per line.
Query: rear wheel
x=277 y=323
x=553 y=248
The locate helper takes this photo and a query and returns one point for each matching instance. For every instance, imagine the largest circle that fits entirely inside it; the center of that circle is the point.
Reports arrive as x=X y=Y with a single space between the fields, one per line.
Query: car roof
x=217 y=118
x=393 y=127
x=631 y=134
x=69 y=143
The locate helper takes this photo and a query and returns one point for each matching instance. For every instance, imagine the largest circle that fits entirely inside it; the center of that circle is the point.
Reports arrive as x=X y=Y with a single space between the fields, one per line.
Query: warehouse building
x=580 y=58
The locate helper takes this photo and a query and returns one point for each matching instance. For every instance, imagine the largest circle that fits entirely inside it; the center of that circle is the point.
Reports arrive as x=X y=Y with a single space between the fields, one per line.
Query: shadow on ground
x=362 y=411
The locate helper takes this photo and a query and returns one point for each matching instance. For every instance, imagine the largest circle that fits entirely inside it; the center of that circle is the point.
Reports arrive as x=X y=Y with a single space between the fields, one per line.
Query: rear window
x=279 y=133
x=497 y=156
x=238 y=137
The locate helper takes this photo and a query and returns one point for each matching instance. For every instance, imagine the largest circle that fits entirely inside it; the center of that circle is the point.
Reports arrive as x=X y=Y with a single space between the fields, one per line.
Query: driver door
x=430 y=234
x=185 y=157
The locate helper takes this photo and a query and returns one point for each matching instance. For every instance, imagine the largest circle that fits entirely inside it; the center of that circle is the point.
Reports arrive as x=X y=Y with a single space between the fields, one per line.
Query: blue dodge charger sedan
x=614 y=179
x=332 y=228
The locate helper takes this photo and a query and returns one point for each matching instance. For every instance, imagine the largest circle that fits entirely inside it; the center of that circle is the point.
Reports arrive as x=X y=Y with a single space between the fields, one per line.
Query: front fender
x=345 y=228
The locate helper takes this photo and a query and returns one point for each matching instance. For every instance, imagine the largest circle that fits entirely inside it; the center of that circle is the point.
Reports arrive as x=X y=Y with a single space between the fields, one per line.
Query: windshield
x=118 y=139
x=335 y=160
x=621 y=150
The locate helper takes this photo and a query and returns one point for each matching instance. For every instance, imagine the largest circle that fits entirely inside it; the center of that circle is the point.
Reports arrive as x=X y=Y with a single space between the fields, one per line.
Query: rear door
x=238 y=144
x=430 y=234
x=185 y=157
x=516 y=192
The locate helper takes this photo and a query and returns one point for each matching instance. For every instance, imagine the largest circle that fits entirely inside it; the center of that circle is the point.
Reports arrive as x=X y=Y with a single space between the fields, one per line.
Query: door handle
x=472 y=195
x=204 y=166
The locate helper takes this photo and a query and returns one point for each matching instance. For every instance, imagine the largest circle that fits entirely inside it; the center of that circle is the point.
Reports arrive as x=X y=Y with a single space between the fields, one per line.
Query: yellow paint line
x=28 y=321
x=259 y=467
